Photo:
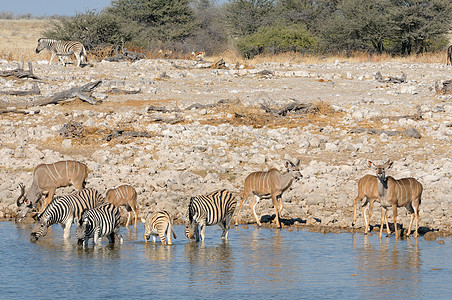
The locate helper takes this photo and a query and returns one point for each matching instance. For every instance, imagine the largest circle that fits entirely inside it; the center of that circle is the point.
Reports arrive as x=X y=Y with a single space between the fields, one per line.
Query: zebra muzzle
x=33 y=237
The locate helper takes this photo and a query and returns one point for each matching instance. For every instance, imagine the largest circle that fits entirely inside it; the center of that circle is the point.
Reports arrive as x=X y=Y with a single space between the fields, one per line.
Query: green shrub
x=90 y=28
x=277 y=39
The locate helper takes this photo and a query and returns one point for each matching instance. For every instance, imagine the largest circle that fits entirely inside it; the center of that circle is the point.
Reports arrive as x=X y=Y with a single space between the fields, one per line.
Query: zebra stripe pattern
x=159 y=224
x=207 y=210
x=103 y=220
x=63 y=48
x=63 y=210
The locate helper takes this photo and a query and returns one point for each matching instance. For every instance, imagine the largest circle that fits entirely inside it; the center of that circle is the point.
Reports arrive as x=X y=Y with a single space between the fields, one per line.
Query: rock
x=430 y=236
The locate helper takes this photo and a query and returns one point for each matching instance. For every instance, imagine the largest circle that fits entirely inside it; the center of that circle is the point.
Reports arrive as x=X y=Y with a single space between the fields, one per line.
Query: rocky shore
x=174 y=129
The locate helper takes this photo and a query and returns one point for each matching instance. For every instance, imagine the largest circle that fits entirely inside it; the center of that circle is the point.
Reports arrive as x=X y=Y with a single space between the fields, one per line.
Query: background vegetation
x=255 y=27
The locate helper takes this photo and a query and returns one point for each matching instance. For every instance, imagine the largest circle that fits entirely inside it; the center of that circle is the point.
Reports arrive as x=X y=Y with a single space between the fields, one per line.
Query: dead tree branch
x=71 y=93
x=20 y=72
x=379 y=78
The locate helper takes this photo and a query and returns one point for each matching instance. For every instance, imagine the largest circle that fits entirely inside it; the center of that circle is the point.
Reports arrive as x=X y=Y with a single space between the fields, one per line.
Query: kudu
x=397 y=193
x=49 y=177
x=124 y=195
x=270 y=184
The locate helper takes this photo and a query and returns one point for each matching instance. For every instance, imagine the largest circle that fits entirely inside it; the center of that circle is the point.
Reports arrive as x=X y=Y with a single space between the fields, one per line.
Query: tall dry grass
x=18 y=39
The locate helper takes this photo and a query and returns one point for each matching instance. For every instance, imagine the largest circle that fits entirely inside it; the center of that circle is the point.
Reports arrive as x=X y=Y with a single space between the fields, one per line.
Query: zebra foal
x=63 y=210
x=207 y=210
x=63 y=48
x=102 y=220
x=159 y=224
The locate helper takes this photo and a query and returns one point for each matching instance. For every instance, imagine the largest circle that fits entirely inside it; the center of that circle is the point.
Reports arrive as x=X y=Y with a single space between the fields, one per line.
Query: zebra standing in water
x=207 y=210
x=156 y=224
x=63 y=210
x=103 y=220
x=63 y=48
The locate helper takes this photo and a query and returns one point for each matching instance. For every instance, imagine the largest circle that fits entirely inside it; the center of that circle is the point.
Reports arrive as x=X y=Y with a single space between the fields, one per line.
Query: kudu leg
x=252 y=206
x=394 y=213
x=245 y=195
x=276 y=205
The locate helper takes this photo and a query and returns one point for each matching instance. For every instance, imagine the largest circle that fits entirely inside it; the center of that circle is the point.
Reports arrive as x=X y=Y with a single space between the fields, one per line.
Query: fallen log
x=116 y=91
x=71 y=93
x=20 y=72
x=299 y=108
x=379 y=78
x=410 y=132
x=122 y=133
x=34 y=91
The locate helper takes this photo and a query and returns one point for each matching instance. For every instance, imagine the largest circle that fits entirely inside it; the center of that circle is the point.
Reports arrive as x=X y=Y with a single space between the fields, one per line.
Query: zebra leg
x=154 y=238
x=52 y=57
x=96 y=236
x=168 y=234
x=203 y=230
x=60 y=57
x=162 y=237
x=225 y=228
x=67 y=228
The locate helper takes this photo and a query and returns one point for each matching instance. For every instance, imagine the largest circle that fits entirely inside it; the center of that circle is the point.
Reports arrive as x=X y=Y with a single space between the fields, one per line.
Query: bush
x=277 y=39
x=90 y=28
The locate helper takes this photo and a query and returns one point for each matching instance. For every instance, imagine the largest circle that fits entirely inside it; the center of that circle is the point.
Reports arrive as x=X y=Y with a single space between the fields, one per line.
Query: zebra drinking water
x=63 y=48
x=63 y=210
x=156 y=224
x=207 y=210
x=103 y=220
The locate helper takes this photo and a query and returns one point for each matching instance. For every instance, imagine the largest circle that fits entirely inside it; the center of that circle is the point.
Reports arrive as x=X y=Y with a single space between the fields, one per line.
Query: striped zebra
x=159 y=224
x=102 y=220
x=63 y=48
x=63 y=210
x=207 y=210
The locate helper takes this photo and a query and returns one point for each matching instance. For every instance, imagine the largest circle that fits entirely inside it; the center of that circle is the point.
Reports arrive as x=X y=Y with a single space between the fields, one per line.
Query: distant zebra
x=63 y=48
x=103 y=220
x=63 y=210
x=207 y=210
x=159 y=224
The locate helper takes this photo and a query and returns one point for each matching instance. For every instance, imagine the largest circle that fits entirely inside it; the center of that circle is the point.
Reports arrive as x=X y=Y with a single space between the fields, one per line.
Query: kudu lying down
x=270 y=184
x=49 y=177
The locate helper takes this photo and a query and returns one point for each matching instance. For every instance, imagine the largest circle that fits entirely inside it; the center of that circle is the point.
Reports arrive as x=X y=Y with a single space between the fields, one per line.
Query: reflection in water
x=213 y=262
x=254 y=263
x=389 y=267
x=157 y=252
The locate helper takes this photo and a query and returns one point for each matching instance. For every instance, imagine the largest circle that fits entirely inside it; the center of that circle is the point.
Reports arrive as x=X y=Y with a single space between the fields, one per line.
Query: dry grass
x=18 y=40
x=356 y=57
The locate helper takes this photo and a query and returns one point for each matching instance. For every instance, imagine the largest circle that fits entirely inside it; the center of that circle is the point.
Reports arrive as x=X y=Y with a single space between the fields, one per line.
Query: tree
x=417 y=23
x=147 y=22
x=244 y=17
x=358 y=25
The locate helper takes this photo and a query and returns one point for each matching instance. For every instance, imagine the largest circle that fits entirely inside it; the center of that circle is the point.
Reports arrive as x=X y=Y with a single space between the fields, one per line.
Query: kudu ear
x=287 y=163
x=298 y=163
x=370 y=164
x=389 y=164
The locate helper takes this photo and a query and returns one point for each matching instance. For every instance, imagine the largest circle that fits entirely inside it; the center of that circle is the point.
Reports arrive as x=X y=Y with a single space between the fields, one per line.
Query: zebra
x=63 y=48
x=156 y=224
x=63 y=210
x=207 y=210
x=102 y=220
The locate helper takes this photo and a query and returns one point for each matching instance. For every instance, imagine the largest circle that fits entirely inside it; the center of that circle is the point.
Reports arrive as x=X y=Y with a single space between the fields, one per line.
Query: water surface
x=253 y=263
